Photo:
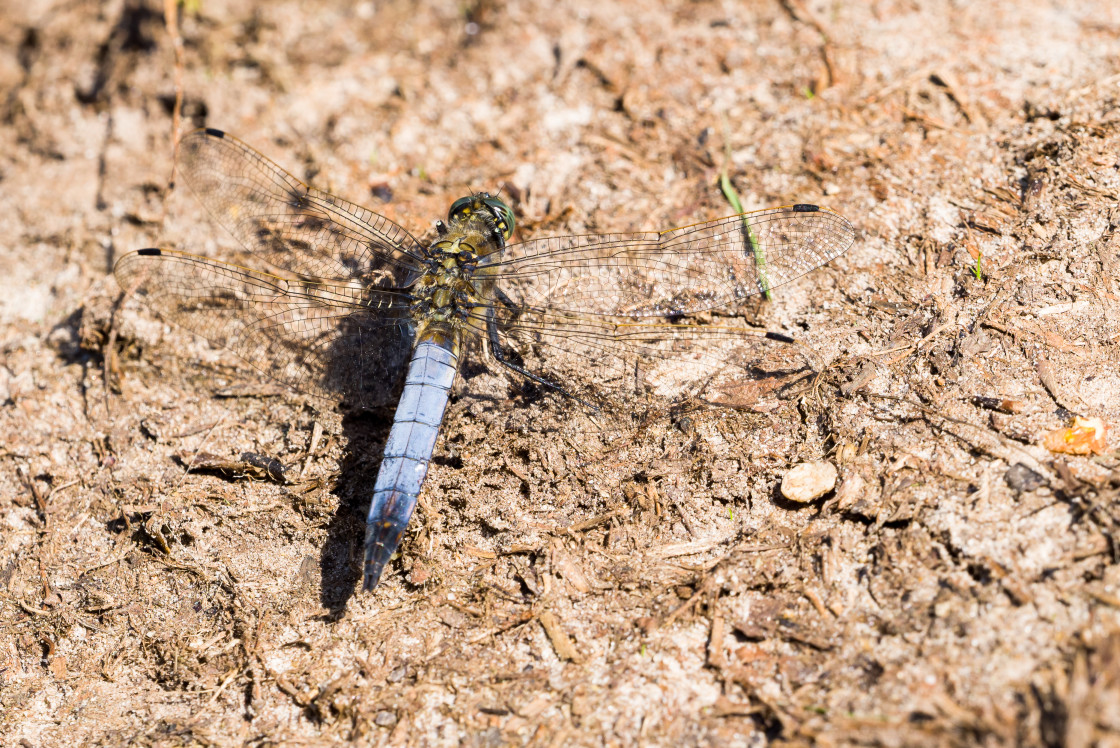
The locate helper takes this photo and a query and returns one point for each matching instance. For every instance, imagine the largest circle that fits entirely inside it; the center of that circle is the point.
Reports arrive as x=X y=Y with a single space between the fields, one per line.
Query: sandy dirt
x=959 y=587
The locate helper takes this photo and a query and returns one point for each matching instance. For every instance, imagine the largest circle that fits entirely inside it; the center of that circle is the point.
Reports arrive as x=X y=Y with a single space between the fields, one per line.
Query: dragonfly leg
x=500 y=355
x=505 y=299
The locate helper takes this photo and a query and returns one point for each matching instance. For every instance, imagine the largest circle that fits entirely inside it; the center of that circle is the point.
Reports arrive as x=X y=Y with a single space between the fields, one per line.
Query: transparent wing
x=321 y=337
x=617 y=318
x=621 y=368
x=679 y=271
x=288 y=224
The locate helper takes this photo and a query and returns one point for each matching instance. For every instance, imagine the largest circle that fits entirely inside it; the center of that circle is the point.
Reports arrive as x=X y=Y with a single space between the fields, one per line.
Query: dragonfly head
x=497 y=215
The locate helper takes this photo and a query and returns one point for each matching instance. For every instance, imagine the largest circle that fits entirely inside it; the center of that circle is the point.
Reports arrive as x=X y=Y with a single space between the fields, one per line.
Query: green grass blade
x=759 y=255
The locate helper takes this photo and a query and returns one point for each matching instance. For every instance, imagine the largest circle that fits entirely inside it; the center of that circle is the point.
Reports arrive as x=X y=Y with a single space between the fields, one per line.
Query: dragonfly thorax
x=446 y=293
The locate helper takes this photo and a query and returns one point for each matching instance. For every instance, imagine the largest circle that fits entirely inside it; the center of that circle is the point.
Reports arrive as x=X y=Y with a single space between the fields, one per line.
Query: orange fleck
x=1085 y=436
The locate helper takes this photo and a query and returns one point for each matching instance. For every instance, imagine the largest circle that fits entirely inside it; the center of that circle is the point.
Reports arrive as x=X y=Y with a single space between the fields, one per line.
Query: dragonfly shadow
x=340 y=560
x=365 y=366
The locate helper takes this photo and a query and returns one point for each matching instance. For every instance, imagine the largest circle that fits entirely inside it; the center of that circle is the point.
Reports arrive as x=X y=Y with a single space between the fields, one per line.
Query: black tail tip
x=373 y=570
x=781 y=338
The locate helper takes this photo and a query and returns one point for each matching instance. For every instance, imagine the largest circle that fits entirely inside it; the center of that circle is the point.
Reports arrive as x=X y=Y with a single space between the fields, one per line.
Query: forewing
x=679 y=271
x=288 y=224
x=333 y=340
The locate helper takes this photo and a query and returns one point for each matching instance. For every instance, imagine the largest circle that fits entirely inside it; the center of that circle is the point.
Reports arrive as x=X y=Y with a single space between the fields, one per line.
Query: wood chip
x=715 y=643
x=571 y=572
x=563 y=645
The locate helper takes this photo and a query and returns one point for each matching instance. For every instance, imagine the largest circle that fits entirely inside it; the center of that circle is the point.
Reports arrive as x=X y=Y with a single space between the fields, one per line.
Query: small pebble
x=418 y=574
x=385 y=719
x=808 y=481
x=1022 y=479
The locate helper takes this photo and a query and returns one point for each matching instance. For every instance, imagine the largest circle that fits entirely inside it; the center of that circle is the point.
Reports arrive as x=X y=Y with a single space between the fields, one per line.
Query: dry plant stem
x=798 y=11
x=110 y=367
x=171 y=20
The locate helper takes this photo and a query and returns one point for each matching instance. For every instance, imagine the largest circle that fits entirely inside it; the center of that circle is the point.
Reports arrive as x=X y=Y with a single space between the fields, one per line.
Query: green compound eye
x=460 y=208
x=499 y=211
x=502 y=214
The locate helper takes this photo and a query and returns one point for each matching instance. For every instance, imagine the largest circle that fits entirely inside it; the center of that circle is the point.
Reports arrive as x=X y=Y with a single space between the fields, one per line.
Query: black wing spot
x=780 y=337
x=805 y=208
x=214 y=133
x=149 y=252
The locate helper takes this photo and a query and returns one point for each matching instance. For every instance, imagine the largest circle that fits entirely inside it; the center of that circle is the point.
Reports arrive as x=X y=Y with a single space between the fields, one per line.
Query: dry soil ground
x=962 y=585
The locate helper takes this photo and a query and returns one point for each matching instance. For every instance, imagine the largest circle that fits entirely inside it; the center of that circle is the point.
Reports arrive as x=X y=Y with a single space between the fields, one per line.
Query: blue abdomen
x=407 y=454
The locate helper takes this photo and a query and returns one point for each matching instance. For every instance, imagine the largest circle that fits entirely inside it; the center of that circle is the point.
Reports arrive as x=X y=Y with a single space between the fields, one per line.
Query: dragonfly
x=344 y=303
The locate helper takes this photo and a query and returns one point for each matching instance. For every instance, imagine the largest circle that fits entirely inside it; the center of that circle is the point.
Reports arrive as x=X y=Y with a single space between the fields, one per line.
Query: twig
x=690 y=549
x=709 y=581
x=198 y=449
x=1002 y=452
x=218 y=691
x=29 y=484
x=316 y=435
x=31 y=610
x=109 y=362
x=587 y=524
x=798 y=11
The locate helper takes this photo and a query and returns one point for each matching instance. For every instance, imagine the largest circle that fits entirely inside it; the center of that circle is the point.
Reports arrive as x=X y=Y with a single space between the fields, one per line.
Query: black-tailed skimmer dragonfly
x=347 y=302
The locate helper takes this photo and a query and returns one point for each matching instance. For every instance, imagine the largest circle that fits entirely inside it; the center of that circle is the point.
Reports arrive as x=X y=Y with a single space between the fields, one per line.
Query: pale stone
x=808 y=481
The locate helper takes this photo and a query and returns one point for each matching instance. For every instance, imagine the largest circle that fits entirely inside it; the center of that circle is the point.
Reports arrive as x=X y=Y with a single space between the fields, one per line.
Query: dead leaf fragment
x=1085 y=436
x=850 y=491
